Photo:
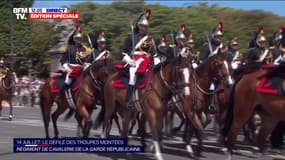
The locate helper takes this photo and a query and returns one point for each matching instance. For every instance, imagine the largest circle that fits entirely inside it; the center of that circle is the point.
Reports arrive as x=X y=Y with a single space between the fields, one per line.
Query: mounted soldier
x=3 y=68
x=275 y=44
x=194 y=54
x=73 y=58
x=162 y=49
x=135 y=48
x=213 y=44
x=234 y=56
x=211 y=48
x=281 y=48
x=99 y=51
x=176 y=48
x=258 y=52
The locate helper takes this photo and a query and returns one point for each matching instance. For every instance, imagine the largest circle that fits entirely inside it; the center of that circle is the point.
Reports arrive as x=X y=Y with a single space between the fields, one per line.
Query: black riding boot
x=130 y=90
x=61 y=92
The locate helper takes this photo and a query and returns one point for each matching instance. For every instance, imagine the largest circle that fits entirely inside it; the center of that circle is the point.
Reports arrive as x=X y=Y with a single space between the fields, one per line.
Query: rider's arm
x=205 y=53
x=251 y=57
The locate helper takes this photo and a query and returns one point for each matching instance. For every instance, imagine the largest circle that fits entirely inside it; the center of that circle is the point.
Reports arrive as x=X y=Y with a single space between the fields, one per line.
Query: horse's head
x=176 y=75
x=101 y=69
x=221 y=69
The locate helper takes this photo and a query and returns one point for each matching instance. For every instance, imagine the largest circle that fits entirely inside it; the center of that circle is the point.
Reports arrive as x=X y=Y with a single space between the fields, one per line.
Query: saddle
x=57 y=82
x=273 y=82
x=143 y=73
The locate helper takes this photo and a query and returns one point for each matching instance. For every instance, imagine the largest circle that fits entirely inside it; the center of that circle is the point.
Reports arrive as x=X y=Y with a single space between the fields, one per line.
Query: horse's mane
x=202 y=65
x=97 y=65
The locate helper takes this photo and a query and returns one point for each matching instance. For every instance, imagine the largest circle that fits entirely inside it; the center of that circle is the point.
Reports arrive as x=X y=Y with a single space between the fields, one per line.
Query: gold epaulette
x=62 y=49
x=88 y=50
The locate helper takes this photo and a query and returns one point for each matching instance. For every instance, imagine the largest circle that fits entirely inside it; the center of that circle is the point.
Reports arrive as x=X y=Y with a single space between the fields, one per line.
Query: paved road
x=27 y=123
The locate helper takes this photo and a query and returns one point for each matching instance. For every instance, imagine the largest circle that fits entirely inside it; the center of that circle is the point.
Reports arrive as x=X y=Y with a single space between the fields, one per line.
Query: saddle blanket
x=58 y=82
x=274 y=85
x=122 y=80
x=143 y=73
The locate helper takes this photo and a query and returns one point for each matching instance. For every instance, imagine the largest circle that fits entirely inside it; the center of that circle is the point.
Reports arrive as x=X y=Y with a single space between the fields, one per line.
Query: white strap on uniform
x=263 y=55
x=141 y=41
x=100 y=55
x=216 y=51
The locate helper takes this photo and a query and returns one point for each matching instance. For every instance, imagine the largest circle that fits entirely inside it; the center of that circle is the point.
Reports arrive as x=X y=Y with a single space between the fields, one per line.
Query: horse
x=7 y=87
x=91 y=93
x=47 y=98
x=244 y=100
x=152 y=99
x=214 y=68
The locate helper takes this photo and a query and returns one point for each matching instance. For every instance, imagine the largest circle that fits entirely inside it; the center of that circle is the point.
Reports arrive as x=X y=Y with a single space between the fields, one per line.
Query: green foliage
x=201 y=19
x=32 y=40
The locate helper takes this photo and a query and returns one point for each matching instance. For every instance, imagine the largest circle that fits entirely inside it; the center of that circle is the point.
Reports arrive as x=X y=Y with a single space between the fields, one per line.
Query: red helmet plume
x=261 y=30
x=183 y=27
x=163 y=38
x=100 y=32
x=221 y=26
x=148 y=14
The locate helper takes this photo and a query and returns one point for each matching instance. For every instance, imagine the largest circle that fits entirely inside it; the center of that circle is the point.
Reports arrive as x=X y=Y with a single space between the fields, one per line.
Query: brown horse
x=47 y=98
x=152 y=99
x=91 y=92
x=7 y=87
x=244 y=101
x=215 y=67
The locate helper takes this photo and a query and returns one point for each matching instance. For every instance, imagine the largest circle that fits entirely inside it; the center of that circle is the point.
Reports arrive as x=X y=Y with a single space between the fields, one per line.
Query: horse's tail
x=42 y=106
x=230 y=113
x=99 y=120
x=69 y=114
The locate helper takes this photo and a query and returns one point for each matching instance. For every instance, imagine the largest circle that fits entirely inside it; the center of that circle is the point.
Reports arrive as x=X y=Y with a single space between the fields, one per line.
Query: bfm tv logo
x=20 y=13
x=45 y=14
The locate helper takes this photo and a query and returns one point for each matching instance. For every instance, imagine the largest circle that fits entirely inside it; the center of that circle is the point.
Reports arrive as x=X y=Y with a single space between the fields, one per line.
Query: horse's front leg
x=11 y=110
x=155 y=119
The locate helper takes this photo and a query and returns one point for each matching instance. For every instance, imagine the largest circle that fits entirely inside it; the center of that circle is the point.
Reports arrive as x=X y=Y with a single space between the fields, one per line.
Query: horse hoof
x=10 y=117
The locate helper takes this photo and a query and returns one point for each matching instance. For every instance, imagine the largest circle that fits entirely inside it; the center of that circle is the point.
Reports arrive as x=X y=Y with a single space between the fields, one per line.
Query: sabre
x=91 y=45
x=209 y=44
x=133 y=41
x=172 y=39
x=236 y=55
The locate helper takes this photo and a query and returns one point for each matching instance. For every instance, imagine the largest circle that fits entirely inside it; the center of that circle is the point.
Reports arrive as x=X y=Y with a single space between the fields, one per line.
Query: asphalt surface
x=27 y=123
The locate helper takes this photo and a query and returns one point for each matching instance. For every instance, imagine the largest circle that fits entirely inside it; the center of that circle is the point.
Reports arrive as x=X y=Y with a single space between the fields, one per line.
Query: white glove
x=66 y=67
x=235 y=65
x=194 y=65
x=127 y=59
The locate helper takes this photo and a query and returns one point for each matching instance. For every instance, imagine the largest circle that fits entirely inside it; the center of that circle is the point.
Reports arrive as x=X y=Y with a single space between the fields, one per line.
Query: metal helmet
x=278 y=35
x=261 y=37
x=163 y=42
x=101 y=37
x=143 y=20
x=190 y=38
x=218 y=31
x=282 y=40
x=2 y=60
x=181 y=34
x=234 y=41
x=77 y=35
